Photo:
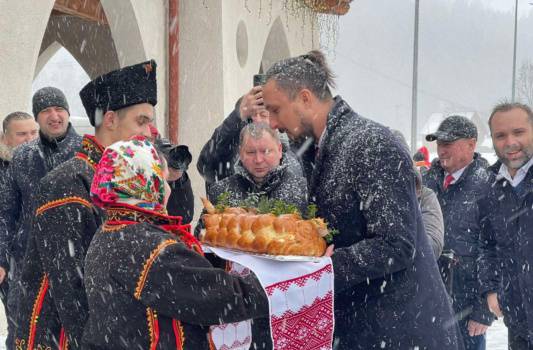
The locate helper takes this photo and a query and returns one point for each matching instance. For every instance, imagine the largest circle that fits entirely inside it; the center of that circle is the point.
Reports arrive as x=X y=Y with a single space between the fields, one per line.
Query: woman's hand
x=329 y=250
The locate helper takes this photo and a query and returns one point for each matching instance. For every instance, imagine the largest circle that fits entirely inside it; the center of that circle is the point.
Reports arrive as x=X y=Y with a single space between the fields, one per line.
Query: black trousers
x=518 y=342
x=4 y=292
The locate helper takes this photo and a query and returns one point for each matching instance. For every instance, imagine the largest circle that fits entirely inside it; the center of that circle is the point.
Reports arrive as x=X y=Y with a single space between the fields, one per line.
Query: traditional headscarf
x=130 y=172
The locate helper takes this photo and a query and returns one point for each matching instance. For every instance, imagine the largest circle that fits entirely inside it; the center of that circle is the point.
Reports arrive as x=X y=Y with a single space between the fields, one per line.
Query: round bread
x=286 y=234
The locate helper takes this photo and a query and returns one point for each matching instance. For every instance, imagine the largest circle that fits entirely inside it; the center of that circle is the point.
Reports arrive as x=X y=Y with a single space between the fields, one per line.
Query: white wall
x=211 y=77
x=23 y=23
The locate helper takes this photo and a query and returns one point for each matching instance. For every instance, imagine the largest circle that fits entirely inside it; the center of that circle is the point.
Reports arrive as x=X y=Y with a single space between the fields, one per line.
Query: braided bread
x=242 y=229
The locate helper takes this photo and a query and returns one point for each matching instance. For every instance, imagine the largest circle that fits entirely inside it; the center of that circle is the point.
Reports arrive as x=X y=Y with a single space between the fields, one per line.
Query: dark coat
x=220 y=154
x=137 y=274
x=507 y=250
x=181 y=201
x=6 y=155
x=31 y=162
x=5 y=159
x=281 y=183
x=388 y=291
x=53 y=265
x=459 y=204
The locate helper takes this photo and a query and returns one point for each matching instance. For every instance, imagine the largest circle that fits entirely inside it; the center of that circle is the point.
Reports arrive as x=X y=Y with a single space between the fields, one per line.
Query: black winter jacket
x=5 y=158
x=460 y=208
x=31 y=162
x=506 y=253
x=181 y=201
x=388 y=291
x=52 y=274
x=281 y=183
x=147 y=290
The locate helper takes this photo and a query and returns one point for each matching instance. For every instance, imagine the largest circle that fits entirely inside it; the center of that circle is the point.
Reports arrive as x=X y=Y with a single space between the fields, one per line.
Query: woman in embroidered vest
x=148 y=284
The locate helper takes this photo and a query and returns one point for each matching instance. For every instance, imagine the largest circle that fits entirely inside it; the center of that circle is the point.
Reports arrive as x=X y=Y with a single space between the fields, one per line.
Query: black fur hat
x=120 y=88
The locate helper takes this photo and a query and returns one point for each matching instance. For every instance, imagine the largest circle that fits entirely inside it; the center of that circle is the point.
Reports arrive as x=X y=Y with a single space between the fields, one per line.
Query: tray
x=207 y=249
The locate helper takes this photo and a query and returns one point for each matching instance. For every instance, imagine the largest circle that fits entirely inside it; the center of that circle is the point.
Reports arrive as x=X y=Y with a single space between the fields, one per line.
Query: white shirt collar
x=457 y=174
x=520 y=175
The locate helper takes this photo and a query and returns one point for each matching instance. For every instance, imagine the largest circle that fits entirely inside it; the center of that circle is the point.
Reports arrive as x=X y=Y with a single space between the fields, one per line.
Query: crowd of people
x=97 y=250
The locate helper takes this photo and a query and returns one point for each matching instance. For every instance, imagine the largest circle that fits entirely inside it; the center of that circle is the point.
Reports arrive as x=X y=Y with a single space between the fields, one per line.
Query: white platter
x=207 y=249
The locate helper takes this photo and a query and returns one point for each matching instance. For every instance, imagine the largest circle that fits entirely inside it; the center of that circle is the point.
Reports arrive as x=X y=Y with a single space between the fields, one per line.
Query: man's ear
x=472 y=143
x=305 y=96
x=110 y=120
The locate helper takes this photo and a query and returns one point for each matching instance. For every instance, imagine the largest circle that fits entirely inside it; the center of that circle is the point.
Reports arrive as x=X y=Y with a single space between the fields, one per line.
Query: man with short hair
x=507 y=224
x=57 y=142
x=388 y=292
x=221 y=152
x=459 y=178
x=18 y=128
x=262 y=170
x=53 y=309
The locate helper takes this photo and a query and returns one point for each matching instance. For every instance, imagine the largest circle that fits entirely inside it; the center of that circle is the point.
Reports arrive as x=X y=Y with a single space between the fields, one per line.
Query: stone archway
x=276 y=46
x=45 y=56
x=90 y=43
x=125 y=31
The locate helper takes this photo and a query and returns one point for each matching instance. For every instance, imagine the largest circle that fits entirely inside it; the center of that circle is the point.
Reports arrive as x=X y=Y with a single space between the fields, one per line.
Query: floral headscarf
x=130 y=172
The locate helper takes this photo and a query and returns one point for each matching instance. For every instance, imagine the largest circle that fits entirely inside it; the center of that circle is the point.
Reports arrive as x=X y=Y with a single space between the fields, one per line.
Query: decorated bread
x=252 y=230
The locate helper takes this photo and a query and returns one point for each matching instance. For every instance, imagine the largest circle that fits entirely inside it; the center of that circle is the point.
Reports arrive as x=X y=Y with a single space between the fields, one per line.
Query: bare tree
x=524 y=84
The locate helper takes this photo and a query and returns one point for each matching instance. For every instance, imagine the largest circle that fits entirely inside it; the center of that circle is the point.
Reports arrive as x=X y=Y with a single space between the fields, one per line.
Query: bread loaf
x=244 y=229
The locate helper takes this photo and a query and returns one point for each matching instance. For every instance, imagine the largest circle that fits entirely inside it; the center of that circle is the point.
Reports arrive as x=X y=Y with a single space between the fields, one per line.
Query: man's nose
x=273 y=123
x=146 y=132
x=53 y=113
x=259 y=157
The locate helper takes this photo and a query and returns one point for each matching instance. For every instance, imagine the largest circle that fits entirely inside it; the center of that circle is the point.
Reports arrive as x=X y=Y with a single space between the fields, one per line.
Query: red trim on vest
x=37 y=310
x=178 y=333
x=63 y=341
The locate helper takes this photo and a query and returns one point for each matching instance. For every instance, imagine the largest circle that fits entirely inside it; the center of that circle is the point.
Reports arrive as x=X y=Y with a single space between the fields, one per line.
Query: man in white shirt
x=506 y=252
x=459 y=179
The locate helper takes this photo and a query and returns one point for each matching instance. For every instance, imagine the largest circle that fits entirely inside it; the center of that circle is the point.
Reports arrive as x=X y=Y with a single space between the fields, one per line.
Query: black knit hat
x=48 y=97
x=121 y=88
x=453 y=128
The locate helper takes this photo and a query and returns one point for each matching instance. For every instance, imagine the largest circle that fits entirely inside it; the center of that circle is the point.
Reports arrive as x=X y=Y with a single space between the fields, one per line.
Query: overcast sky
x=465 y=56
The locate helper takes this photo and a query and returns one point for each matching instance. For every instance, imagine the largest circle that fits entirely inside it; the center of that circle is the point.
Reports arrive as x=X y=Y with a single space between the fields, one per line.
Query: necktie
x=447 y=181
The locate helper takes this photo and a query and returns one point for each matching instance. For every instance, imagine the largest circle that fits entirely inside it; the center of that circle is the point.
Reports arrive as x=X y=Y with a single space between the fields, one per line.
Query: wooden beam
x=173 y=71
x=90 y=10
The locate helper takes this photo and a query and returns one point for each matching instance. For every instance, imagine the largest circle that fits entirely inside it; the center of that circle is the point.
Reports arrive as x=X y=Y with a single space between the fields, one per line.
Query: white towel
x=300 y=296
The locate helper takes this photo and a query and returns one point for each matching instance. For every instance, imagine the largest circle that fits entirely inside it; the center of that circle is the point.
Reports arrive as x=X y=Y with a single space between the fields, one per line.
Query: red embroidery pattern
x=63 y=340
x=37 y=306
x=299 y=281
x=153 y=328
x=178 y=333
x=60 y=202
x=236 y=344
x=309 y=328
x=86 y=159
x=148 y=264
